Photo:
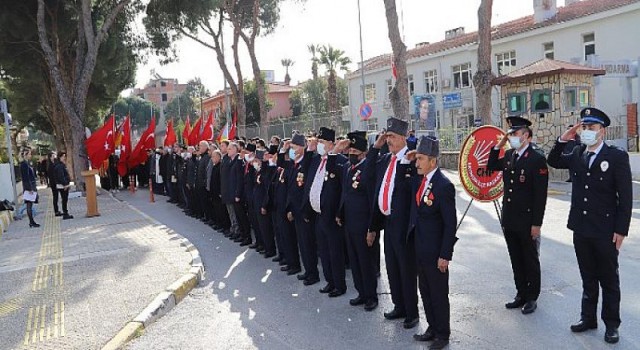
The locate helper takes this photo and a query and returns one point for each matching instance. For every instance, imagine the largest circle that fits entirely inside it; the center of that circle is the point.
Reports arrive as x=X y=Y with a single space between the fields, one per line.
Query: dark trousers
x=362 y=264
x=200 y=200
x=189 y=195
x=434 y=290
x=208 y=206
x=307 y=244
x=220 y=213
x=173 y=191
x=252 y=214
x=525 y=263
x=54 y=193
x=65 y=199
x=330 y=238
x=598 y=263
x=375 y=253
x=265 y=224
x=167 y=186
x=290 y=241
x=279 y=234
x=401 y=269
x=243 y=221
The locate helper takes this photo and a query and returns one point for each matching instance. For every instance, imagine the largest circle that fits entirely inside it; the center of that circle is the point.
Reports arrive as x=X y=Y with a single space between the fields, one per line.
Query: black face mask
x=353 y=159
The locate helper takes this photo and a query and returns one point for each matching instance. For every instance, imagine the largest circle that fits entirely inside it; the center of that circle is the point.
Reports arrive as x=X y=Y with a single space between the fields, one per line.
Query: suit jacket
x=231 y=180
x=357 y=199
x=62 y=175
x=191 y=170
x=28 y=176
x=433 y=219
x=331 y=189
x=296 y=178
x=400 y=198
x=278 y=191
x=601 y=196
x=201 y=174
x=249 y=181
x=525 y=188
x=214 y=184
x=263 y=180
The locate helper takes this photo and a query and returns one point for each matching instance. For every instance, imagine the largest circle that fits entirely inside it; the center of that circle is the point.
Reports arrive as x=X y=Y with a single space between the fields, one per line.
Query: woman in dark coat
x=63 y=181
x=29 y=185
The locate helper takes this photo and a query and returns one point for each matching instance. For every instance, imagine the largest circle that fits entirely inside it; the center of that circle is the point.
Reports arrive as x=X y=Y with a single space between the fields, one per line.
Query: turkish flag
x=170 y=139
x=207 y=132
x=100 y=144
x=194 y=135
x=147 y=141
x=186 y=131
x=125 y=147
x=232 y=131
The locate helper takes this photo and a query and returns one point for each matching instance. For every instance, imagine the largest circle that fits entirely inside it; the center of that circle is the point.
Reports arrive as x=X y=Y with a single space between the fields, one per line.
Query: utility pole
x=7 y=134
x=364 y=122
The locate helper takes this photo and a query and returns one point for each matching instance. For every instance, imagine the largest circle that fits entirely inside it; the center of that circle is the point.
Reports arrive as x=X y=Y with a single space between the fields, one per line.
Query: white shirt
x=595 y=153
x=316 y=186
x=429 y=177
x=399 y=157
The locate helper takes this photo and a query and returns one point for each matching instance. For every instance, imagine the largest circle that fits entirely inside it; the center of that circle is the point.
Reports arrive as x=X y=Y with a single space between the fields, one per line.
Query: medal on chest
x=355 y=180
x=300 y=179
x=281 y=177
x=258 y=179
x=328 y=175
x=428 y=196
x=522 y=177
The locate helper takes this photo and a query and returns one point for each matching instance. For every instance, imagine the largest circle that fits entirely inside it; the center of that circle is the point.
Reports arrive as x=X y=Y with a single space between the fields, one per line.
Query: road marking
x=10 y=306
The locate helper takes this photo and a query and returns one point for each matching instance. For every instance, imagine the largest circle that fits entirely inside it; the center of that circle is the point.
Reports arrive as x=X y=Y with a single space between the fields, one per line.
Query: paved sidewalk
x=73 y=284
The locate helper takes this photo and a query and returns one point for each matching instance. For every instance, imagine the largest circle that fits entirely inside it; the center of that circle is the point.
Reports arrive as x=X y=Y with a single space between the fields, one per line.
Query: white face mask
x=589 y=137
x=321 y=150
x=515 y=142
x=248 y=157
x=272 y=162
x=256 y=166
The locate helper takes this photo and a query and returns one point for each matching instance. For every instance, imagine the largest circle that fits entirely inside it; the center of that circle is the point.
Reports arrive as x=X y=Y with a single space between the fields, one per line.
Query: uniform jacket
x=278 y=191
x=525 y=188
x=249 y=181
x=263 y=180
x=331 y=189
x=601 y=196
x=231 y=180
x=357 y=199
x=433 y=219
x=296 y=178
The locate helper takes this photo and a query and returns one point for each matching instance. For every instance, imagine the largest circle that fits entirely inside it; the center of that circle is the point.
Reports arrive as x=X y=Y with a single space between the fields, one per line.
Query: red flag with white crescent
x=101 y=143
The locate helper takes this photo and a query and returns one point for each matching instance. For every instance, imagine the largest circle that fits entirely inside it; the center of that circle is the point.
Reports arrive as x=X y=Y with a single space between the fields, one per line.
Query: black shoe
x=277 y=259
x=217 y=227
x=245 y=243
x=33 y=224
x=410 y=322
x=327 y=289
x=529 y=307
x=293 y=271
x=254 y=246
x=428 y=335
x=611 y=335
x=302 y=277
x=336 y=293
x=394 y=314
x=240 y=239
x=517 y=303
x=58 y=214
x=282 y=262
x=269 y=255
x=439 y=344
x=356 y=301
x=311 y=281
x=583 y=326
x=371 y=305
x=285 y=268
x=67 y=217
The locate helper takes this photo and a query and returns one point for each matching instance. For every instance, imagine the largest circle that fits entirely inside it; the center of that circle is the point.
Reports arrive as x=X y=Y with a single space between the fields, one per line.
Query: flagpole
x=364 y=122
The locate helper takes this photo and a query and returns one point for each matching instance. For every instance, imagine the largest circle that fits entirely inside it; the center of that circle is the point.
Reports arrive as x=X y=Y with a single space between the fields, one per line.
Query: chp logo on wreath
x=480 y=183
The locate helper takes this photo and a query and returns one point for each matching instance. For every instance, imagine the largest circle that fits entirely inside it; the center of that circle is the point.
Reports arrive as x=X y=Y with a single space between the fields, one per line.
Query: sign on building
x=453 y=100
x=619 y=69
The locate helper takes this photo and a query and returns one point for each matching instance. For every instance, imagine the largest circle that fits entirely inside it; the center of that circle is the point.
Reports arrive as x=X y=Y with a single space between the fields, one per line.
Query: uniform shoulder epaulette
x=539 y=150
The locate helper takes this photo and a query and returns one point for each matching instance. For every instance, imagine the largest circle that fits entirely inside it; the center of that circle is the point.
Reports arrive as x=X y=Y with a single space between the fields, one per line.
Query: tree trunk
x=239 y=96
x=332 y=88
x=482 y=78
x=399 y=95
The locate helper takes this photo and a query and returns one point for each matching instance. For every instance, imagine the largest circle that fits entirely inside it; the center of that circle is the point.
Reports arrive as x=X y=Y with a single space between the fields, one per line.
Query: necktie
x=387 y=184
x=587 y=157
x=321 y=168
x=516 y=156
x=246 y=168
x=421 y=189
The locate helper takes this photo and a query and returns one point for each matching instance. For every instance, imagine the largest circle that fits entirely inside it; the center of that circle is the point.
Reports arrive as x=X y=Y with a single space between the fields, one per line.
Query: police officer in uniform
x=432 y=226
x=601 y=204
x=526 y=178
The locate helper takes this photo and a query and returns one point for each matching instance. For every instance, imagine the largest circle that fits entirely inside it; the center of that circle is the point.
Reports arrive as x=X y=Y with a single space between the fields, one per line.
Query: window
x=570 y=99
x=506 y=62
x=412 y=86
x=163 y=83
x=461 y=76
x=164 y=97
x=589 y=41
x=389 y=87
x=370 y=92
x=431 y=81
x=541 y=101
x=548 y=50
x=584 y=97
x=517 y=103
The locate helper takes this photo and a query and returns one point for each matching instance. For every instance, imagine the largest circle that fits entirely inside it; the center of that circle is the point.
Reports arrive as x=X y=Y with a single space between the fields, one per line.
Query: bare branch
x=110 y=19
x=195 y=38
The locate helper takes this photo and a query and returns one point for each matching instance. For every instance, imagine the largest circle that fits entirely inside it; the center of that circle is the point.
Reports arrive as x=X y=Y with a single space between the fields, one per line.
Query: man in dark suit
x=354 y=214
x=201 y=179
x=526 y=178
x=263 y=178
x=601 y=204
x=322 y=193
x=391 y=212
x=432 y=226
x=295 y=159
x=250 y=173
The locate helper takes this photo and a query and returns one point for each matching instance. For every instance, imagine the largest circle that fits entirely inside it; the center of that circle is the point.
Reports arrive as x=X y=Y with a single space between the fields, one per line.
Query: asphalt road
x=245 y=302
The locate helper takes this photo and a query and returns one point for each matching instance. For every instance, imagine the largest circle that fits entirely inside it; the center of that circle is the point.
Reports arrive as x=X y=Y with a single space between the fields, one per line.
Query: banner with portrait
x=425 y=112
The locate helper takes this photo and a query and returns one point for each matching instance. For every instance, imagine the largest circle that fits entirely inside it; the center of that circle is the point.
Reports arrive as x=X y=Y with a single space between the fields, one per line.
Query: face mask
x=515 y=142
x=353 y=159
x=248 y=158
x=589 y=137
x=272 y=162
x=256 y=166
x=321 y=150
x=292 y=154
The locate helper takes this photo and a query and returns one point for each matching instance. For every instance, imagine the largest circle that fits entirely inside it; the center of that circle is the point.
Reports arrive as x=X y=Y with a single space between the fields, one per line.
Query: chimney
x=453 y=33
x=544 y=10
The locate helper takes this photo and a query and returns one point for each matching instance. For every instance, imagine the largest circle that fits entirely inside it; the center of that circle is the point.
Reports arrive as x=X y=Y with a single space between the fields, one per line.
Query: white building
x=602 y=33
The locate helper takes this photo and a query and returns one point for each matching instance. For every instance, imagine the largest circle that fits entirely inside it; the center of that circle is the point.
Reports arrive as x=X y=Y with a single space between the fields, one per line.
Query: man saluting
x=601 y=202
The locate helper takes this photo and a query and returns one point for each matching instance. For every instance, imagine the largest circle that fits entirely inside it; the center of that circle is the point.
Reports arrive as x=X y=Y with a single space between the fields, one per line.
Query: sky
x=333 y=22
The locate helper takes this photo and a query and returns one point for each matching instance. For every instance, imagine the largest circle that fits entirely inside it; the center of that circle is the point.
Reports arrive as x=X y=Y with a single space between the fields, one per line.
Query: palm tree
x=313 y=49
x=333 y=60
x=286 y=63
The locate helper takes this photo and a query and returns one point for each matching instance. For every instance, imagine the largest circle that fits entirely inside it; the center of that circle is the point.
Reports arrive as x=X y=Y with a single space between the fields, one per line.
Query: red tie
x=387 y=183
x=322 y=164
x=420 y=190
x=246 y=168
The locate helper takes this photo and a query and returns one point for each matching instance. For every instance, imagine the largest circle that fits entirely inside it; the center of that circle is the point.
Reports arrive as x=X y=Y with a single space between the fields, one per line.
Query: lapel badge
x=428 y=201
x=355 y=185
x=332 y=175
x=604 y=166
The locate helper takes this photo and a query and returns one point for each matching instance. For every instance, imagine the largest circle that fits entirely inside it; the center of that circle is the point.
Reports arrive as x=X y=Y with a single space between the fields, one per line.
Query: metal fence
x=303 y=124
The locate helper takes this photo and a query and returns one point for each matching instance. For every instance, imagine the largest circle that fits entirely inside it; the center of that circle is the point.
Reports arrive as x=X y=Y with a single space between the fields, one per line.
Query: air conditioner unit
x=386 y=104
x=446 y=83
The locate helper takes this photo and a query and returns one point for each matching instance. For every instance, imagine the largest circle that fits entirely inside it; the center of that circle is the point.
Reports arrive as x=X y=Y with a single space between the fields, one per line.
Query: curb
x=168 y=298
